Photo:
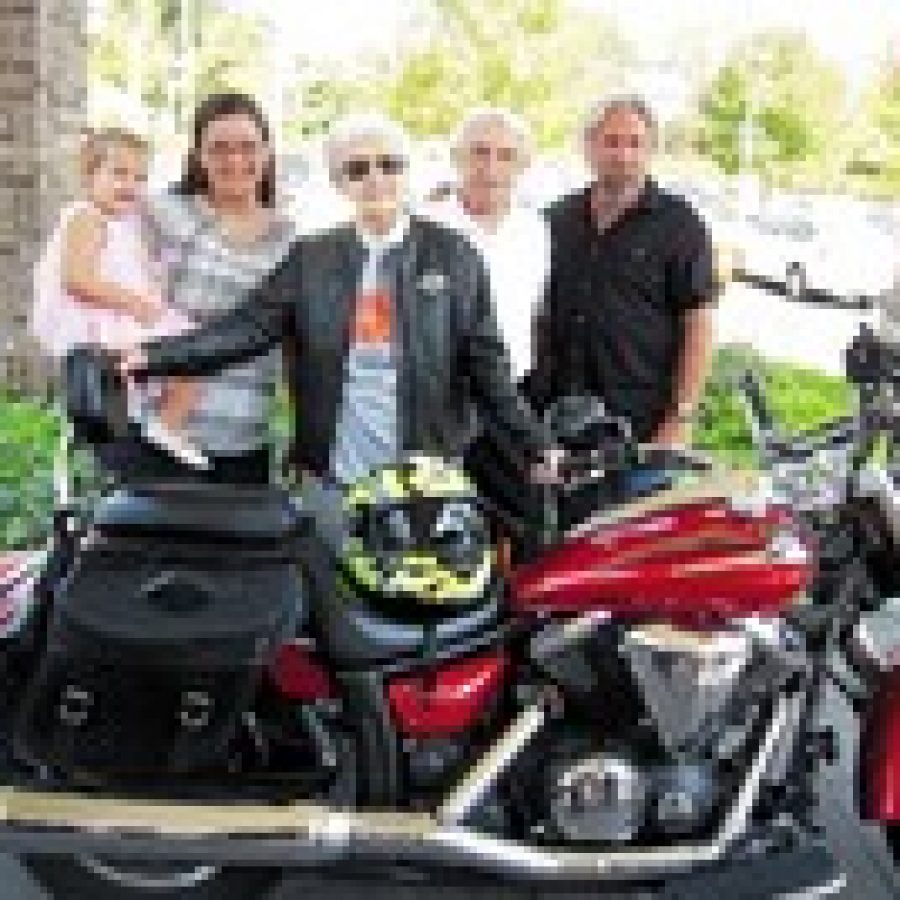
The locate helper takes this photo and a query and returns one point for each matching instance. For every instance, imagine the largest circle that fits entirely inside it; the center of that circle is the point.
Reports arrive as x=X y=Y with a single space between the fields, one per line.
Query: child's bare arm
x=82 y=246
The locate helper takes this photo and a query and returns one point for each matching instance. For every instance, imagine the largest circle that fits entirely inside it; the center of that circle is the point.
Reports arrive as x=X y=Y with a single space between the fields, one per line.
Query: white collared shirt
x=517 y=257
x=376 y=244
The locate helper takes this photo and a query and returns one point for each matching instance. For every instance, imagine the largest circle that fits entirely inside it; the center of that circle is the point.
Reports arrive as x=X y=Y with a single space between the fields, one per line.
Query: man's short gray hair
x=493 y=115
x=600 y=111
x=359 y=127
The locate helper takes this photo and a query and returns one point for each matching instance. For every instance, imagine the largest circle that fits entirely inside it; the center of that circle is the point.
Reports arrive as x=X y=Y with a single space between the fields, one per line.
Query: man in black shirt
x=627 y=311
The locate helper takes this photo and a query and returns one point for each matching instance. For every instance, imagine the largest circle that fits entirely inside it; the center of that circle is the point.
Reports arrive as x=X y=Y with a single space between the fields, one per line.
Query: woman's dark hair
x=194 y=179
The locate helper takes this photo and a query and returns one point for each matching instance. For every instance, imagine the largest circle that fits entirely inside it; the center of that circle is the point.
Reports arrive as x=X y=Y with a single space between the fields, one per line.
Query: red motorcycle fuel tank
x=691 y=561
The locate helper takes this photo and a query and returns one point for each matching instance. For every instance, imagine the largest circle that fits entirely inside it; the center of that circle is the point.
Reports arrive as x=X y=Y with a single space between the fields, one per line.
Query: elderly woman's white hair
x=493 y=115
x=359 y=127
x=602 y=108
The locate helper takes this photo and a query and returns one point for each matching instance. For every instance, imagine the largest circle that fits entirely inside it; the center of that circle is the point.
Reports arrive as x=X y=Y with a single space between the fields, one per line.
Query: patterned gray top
x=209 y=276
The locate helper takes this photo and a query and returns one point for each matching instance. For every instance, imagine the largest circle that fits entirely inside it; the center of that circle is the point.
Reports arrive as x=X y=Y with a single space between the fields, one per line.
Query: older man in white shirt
x=491 y=150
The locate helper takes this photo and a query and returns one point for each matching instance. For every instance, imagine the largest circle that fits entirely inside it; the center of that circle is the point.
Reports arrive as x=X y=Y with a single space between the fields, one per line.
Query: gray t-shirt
x=367 y=434
x=208 y=275
x=367 y=429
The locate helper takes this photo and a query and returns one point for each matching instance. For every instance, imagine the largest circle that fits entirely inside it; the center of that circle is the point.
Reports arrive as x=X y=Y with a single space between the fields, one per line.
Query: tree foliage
x=791 y=97
x=877 y=150
x=545 y=59
x=164 y=54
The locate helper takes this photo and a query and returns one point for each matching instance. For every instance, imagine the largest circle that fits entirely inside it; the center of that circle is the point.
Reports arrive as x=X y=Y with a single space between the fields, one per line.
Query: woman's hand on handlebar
x=131 y=361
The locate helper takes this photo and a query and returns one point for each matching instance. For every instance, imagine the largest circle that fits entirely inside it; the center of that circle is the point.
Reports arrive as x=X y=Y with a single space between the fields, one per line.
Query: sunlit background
x=781 y=121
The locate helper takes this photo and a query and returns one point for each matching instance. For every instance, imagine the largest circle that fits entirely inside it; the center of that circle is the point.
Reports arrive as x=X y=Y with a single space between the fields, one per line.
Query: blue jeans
x=642 y=481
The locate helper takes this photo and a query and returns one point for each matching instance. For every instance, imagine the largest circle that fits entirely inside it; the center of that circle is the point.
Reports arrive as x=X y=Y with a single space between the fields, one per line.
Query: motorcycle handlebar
x=795 y=287
x=96 y=395
x=578 y=469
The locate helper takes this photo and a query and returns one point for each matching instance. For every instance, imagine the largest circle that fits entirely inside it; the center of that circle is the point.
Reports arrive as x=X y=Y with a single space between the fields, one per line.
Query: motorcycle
x=199 y=689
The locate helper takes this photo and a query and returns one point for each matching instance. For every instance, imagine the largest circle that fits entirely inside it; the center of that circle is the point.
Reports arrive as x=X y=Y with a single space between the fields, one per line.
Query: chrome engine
x=688 y=711
x=685 y=677
x=598 y=798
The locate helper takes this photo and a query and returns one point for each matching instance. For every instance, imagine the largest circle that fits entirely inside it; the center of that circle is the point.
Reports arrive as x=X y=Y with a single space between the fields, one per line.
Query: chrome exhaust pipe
x=308 y=834
x=482 y=777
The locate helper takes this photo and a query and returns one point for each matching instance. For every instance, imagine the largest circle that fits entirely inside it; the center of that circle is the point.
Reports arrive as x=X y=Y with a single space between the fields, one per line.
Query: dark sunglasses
x=357 y=169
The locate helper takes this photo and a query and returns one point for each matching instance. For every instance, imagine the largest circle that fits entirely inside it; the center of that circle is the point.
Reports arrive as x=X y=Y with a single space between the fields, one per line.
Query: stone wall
x=42 y=102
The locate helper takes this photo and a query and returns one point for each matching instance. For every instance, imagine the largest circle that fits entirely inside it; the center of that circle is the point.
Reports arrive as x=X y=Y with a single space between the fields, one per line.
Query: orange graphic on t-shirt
x=372 y=320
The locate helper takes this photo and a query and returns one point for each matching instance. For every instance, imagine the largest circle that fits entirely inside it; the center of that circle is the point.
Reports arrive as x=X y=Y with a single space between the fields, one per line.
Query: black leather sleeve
x=250 y=329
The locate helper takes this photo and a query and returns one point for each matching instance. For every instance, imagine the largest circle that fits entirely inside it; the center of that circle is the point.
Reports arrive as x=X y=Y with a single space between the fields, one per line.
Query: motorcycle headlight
x=810 y=485
x=418 y=535
x=818 y=483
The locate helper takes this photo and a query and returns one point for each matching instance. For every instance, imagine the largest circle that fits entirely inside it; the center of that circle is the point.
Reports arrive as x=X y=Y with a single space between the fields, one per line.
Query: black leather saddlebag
x=158 y=635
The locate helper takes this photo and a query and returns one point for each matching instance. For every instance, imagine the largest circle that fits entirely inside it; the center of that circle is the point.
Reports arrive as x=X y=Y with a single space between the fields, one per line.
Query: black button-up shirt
x=612 y=320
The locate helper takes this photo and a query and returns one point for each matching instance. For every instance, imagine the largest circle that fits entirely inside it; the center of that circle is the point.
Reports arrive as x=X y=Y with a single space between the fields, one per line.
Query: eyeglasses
x=359 y=168
x=484 y=152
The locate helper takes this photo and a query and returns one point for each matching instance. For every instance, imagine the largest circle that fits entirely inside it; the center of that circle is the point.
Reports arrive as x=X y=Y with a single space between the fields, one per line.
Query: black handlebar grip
x=96 y=395
x=870 y=361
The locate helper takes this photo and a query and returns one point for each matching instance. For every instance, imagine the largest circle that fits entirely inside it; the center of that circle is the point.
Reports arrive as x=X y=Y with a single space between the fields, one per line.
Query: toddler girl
x=98 y=282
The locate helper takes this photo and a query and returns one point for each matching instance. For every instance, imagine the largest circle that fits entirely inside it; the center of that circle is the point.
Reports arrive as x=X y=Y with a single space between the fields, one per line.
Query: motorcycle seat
x=208 y=512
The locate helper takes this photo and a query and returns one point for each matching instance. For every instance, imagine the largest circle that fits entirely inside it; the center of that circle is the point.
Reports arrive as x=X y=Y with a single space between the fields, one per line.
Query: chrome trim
x=885 y=487
x=557 y=637
x=874 y=645
x=138 y=881
x=828 y=889
x=484 y=774
x=685 y=677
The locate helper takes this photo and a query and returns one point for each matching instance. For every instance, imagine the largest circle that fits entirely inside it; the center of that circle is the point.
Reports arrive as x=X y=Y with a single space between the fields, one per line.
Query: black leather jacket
x=455 y=372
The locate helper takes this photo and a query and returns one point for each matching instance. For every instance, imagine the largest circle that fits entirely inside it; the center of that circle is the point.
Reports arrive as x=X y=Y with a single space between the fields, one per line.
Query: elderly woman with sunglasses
x=389 y=326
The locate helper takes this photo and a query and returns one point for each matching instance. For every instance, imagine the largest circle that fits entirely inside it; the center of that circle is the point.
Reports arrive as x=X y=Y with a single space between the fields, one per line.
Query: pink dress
x=60 y=322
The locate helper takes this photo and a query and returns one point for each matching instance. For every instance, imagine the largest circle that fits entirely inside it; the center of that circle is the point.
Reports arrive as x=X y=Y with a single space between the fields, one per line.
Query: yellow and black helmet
x=418 y=539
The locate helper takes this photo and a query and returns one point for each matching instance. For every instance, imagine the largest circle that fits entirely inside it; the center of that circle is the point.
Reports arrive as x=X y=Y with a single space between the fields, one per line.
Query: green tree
x=876 y=157
x=792 y=98
x=167 y=53
x=543 y=58
x=318 y=95
x=885 y=103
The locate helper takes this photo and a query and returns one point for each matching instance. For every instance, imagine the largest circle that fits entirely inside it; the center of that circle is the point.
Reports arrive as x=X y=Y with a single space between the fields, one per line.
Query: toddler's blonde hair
x=96 y=145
